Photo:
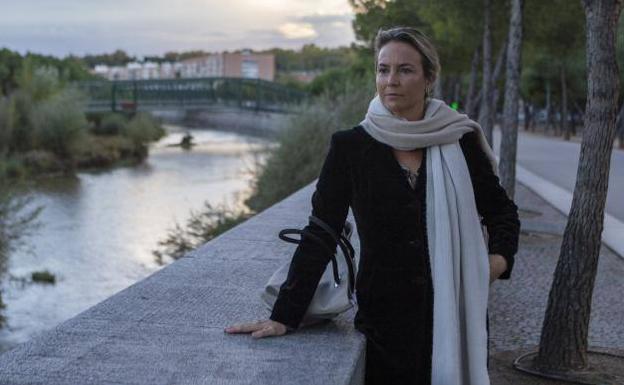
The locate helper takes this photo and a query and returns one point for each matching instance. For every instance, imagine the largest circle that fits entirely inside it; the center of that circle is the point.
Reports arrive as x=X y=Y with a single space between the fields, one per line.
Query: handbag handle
x=341 y=241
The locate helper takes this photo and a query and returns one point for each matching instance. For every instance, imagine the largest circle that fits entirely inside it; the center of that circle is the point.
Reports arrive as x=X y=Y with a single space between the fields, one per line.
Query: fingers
x=264 y=332
x=258 y=329
x=245 y=327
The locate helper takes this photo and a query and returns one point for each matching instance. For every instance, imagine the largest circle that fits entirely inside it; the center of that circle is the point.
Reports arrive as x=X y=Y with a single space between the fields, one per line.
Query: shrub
x=13 y=169
x=43 y=277
x=298 y=159
x=60 y=123
x=111 y=124
x=200 y=228
x=143 y=129
x=41 y=161
x=7 y=116
x=39 y=82
x=22 y=133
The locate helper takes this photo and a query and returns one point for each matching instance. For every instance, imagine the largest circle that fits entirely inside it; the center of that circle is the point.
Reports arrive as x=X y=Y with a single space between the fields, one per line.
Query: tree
x=509 y=137
x=554 y=57
x=563 y=343
x=485 y=117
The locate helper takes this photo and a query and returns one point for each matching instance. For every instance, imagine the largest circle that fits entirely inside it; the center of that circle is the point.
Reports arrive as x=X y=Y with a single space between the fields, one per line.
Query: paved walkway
x=548 y=167
x=556 y=160
x=517 y=306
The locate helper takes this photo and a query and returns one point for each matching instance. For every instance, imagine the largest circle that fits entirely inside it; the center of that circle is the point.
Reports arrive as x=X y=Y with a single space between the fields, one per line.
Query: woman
x=420 y=179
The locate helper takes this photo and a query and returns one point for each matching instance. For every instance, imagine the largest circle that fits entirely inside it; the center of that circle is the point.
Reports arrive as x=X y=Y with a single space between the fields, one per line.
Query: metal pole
x=257 y=94
x=134 y=96
x=113 y=97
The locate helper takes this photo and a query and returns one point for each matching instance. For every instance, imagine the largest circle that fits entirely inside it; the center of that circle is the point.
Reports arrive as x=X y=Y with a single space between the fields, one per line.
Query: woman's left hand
x=498 y=265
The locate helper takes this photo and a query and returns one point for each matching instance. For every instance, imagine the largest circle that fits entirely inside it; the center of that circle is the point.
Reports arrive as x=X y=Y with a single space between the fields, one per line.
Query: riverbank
x=100 y=226
x=110 y=141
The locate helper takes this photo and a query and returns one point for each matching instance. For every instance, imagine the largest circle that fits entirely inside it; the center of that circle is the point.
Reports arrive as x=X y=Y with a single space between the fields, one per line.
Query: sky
x=153 y=27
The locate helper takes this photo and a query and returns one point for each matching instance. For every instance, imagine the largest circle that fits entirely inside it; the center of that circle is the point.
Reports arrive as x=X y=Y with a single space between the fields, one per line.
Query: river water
x=99 y=228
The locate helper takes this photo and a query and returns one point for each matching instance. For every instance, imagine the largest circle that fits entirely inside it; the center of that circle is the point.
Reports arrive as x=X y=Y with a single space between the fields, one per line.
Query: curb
x=561 y=199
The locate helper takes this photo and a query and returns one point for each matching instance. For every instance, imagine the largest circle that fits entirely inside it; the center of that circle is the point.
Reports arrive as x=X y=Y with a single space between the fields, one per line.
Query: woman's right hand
x=259 y=329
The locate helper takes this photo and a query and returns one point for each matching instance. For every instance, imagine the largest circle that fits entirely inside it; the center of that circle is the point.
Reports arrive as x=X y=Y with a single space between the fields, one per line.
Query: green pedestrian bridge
x=190 y=94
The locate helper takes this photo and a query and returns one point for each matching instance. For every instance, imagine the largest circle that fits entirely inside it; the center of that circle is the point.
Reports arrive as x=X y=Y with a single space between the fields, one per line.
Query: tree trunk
x=509 y=129
x=456 y=89
x=437 y=88
x=620 y=126
x=471 y=102
x=528 y=116
x=485 y=117
x=565 y=127
x=548 y=108
x=498 y=70
x=563 y=341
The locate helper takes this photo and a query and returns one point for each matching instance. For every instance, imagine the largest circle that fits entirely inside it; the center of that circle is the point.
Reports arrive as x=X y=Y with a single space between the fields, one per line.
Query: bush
x=12 y=168
x=40 y=83
x=43 y=277
x=60 y=123
x=200 y=228
x=41 y=161
x=7 y=116
x=111 y=124
x=298 y=159
x=143 y=129
x=22 y=133
x=104 y=151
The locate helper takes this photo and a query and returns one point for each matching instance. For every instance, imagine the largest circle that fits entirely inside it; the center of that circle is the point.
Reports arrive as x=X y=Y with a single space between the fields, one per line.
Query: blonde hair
x=418 y=40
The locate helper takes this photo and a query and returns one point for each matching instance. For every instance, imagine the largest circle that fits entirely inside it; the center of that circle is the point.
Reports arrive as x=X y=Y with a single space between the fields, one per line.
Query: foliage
x=43 y=277
x=117 y=58
x=311 y=58
x=298 y=158
x=201 y=227
x=551 y=47
x=336 y=81
x=13 y=68
x=142 y=128
x=60 y=124
x=111 y=124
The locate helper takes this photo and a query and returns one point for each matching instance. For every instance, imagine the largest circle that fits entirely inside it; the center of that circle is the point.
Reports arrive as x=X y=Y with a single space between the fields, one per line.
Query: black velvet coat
x=393 y=286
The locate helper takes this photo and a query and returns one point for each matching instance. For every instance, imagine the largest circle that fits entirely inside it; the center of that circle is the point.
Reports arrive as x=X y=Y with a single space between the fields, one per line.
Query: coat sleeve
x=330 y=203
x=499 y=212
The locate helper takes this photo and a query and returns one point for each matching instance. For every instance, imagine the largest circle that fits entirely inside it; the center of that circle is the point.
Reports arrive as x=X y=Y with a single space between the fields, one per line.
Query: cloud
x=325 y=18
x=297 y=31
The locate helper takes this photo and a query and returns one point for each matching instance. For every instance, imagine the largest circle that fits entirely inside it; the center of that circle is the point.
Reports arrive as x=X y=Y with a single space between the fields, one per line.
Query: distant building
x=238 y=65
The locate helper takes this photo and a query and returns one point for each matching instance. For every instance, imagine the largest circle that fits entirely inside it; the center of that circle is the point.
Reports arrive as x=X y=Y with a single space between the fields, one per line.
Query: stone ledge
x=168 y=327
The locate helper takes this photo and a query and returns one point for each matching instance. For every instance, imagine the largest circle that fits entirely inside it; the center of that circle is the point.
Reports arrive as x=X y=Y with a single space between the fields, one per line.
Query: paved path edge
x=561 y=199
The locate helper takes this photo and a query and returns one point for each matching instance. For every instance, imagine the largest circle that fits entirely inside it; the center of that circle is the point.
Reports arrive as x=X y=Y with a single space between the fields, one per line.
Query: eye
x=406 y=70
x=382 y=70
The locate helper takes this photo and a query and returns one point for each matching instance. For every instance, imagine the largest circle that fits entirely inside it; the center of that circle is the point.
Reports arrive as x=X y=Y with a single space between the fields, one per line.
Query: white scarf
x=458 y=253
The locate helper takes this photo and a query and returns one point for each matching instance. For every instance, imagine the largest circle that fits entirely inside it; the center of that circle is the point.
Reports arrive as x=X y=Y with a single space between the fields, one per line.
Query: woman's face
x=401 y=80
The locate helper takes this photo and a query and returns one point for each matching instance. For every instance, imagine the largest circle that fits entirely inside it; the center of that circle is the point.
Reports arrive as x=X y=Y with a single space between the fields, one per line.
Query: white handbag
x=335 y=291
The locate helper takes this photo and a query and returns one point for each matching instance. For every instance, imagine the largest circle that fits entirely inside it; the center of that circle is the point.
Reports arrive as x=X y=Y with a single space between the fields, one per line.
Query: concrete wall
x=168 y=328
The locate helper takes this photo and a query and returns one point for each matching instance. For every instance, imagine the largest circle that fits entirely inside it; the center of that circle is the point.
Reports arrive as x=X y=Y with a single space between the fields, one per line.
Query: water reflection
x=99 y=228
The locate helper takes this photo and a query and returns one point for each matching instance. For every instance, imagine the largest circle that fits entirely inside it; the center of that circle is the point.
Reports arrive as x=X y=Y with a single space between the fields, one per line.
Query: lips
x=394 y=95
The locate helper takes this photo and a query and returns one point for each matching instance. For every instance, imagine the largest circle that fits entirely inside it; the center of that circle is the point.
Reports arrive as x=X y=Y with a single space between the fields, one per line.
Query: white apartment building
x=244 y=64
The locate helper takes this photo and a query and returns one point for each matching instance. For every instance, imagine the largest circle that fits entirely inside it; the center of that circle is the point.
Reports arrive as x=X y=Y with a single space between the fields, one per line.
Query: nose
x=393 y=78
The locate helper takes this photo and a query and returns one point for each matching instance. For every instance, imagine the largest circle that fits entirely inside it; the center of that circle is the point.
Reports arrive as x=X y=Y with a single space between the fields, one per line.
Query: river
x=99 y=228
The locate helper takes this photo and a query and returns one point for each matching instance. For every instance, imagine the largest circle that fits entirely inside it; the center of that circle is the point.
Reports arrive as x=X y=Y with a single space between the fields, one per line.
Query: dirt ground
x=502 y=371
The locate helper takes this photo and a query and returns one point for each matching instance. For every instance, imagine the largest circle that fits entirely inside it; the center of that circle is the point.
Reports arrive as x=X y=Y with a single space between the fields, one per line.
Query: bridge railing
x=255 y=94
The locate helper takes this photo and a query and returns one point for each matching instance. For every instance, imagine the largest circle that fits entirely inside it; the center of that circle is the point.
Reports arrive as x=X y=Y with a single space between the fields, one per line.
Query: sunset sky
x=153 y=27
